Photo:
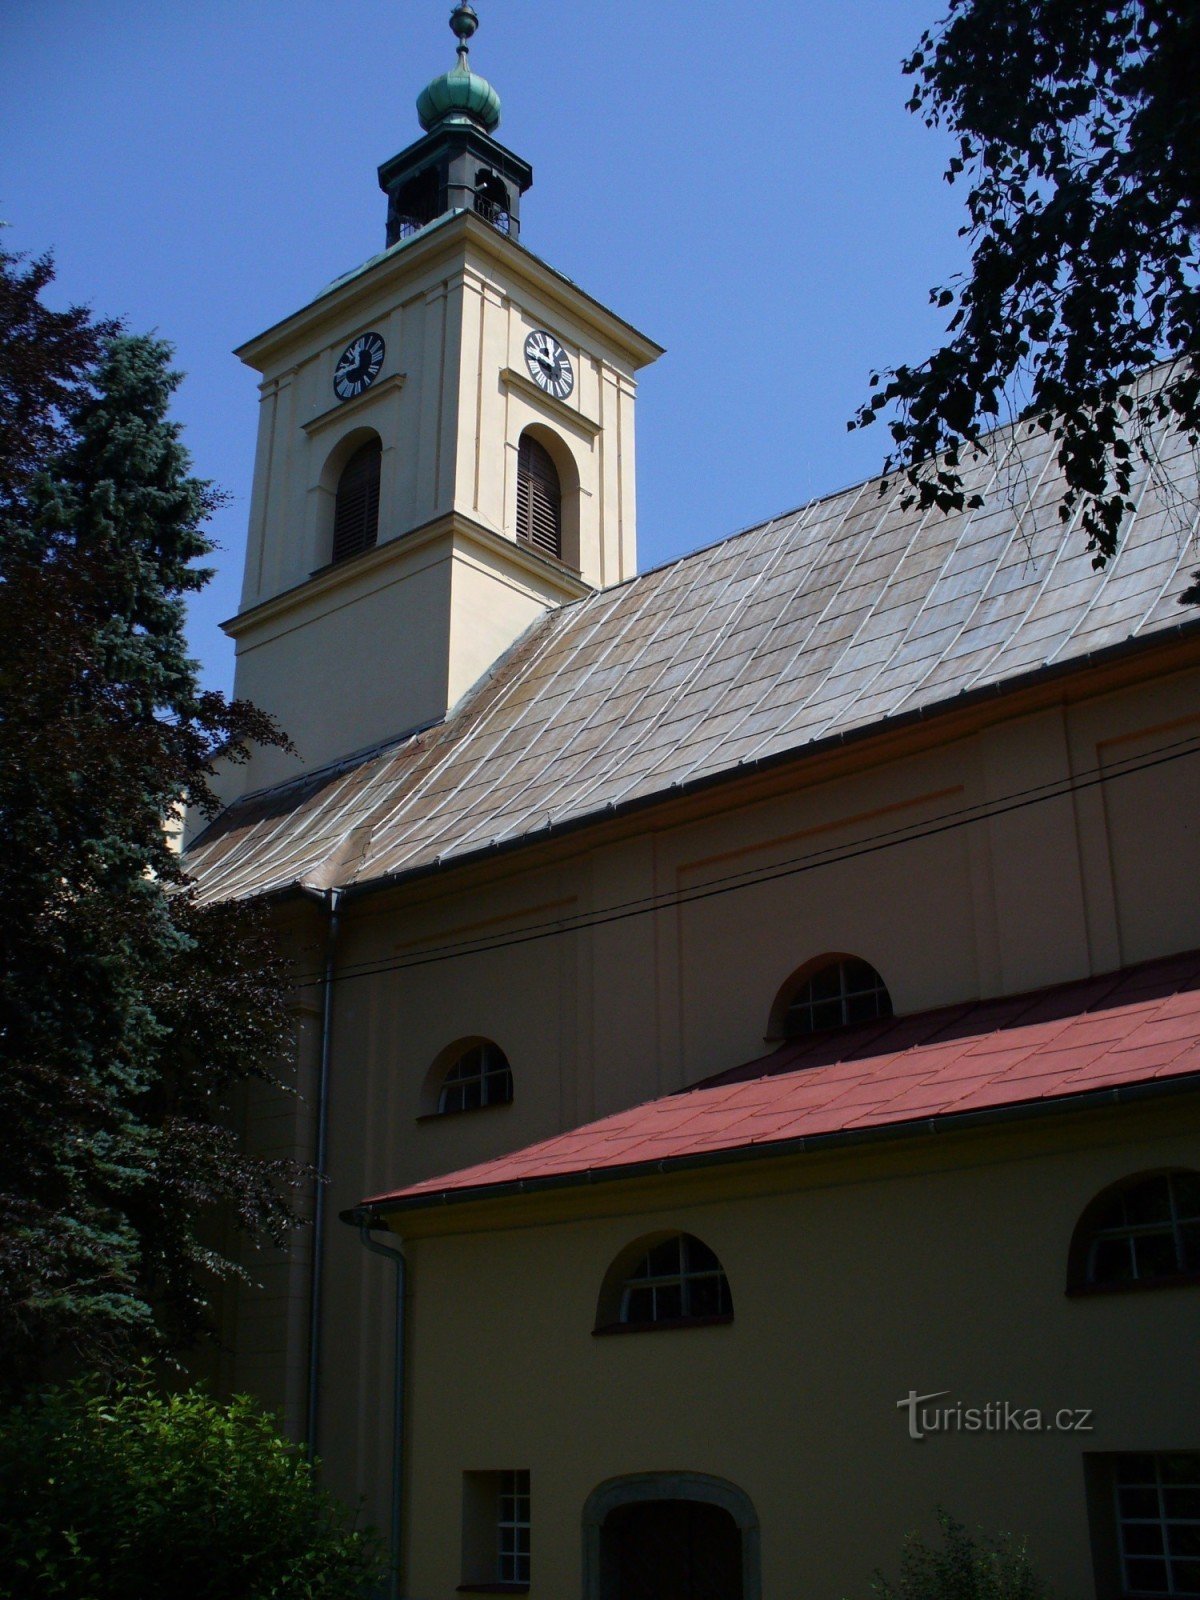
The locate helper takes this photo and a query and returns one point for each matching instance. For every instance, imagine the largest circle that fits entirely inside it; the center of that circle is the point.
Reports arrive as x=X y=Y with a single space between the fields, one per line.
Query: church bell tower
x=445 y=450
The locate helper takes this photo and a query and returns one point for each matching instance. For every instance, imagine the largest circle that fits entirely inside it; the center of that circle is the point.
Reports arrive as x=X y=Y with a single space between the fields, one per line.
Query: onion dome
x=460 y=95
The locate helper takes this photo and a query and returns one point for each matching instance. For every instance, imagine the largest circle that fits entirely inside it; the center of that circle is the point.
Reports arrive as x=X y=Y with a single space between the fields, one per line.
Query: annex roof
x=835 y=620
x=1052 y=1048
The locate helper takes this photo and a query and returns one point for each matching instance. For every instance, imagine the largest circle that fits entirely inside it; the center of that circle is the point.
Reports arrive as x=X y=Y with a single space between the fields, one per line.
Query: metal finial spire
x=463 y=23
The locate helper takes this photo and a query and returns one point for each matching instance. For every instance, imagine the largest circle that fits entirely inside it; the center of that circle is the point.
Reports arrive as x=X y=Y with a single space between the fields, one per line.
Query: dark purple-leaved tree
x=1077 y=129
x=128 y=1010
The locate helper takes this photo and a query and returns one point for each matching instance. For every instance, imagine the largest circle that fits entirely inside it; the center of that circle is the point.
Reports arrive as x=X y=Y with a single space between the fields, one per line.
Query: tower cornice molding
x=330 y=586
x=459 y=235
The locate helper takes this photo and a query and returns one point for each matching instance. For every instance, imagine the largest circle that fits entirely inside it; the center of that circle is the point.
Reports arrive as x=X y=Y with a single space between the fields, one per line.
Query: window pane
x=664 y=1259
x=827 y=1014
x=1187 y=1577
x=862 y=1007
x=1149 y=1201
x=1143 y=1539
x=1187 y=1193
x=1111 y=1261
x=1139 y=1502
x=1156 y=1255
x=639 y=1305
x=1148 y=1577
x=668 y=1302
x=1181 y=1466
x=826 y=984
x=704 y=1297
x=1184 y=1541
x=1189 y=1241
x=1136 y=1469
x=1181 y=1502
x=698 y=1257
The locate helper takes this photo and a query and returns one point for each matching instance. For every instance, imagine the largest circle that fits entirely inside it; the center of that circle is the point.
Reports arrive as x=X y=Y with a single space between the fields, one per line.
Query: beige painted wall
x=373 y=648
x=601 y=1019
x=855 y=1279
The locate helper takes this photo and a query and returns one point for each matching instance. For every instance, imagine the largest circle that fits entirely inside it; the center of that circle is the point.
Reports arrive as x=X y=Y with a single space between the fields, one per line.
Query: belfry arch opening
x=547 y=501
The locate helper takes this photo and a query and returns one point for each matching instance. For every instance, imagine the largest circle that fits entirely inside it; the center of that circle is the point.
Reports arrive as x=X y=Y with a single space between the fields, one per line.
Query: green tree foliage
x=128 y=1011
x=1077 y=126
x=45 y=359
x=133 y=1494
x=966 y=1567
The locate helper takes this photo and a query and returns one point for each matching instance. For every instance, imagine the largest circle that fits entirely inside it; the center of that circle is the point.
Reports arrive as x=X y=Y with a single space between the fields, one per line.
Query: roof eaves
x=949 y=1122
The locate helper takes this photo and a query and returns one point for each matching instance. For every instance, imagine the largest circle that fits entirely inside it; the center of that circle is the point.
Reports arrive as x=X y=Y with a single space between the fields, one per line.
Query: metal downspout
x=316 y=1283
x=398 y=1375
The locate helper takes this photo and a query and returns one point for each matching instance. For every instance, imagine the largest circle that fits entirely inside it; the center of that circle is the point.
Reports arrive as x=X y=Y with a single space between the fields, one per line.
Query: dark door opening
x=672 y=1550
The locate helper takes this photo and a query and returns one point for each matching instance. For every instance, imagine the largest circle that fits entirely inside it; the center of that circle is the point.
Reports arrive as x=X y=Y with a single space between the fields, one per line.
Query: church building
x=748 y=1011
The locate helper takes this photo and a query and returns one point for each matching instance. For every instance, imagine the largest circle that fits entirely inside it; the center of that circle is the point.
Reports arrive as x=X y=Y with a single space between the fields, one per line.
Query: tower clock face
x=358 y=366
x=549 y=364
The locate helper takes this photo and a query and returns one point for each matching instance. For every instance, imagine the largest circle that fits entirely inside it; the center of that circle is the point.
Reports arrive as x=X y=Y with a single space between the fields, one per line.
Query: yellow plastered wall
x=619 y=1012
x=855 y=1279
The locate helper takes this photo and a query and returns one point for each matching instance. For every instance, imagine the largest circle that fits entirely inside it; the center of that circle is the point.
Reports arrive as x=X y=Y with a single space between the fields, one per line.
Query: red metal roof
x=1130 y=1027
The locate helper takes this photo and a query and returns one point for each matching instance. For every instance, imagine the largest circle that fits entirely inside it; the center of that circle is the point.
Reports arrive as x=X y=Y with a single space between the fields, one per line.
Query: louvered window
x=539 y=499
x=356 y=518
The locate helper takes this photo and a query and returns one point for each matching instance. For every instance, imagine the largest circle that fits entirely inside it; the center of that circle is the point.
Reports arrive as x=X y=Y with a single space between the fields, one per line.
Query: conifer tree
x=128 y=1010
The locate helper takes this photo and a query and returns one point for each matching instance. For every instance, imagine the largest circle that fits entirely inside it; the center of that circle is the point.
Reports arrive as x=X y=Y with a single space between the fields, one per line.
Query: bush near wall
x=966 y=1567
x=135 y=1494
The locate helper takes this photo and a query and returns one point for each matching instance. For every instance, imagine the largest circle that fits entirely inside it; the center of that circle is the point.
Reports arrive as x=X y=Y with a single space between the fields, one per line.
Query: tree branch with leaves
x=1077 y=128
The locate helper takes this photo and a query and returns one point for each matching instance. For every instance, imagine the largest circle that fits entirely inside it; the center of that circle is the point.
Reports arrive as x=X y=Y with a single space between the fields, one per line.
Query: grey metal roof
x=826 y=622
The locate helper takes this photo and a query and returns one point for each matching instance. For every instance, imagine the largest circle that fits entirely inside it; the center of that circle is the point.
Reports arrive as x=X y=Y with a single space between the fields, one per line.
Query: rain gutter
x=399 y=1378
x=331 y=900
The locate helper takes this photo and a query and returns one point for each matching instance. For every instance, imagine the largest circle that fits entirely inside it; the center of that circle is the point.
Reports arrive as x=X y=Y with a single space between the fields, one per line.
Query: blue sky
x=742 y=183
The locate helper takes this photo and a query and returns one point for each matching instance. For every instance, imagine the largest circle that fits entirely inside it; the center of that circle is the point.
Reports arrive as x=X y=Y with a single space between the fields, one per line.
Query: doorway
x=672 y=1550
x=670 y=1536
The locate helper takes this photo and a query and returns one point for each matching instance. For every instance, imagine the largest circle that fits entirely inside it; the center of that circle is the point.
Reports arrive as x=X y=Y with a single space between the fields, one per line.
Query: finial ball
x=463 y=21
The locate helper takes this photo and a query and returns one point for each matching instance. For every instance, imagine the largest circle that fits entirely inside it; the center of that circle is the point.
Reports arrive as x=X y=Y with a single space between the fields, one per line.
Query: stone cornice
x=559 y=583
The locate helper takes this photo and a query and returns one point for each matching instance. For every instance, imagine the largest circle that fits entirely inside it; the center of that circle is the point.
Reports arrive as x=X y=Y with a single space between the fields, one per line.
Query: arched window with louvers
x=356 y=508
x=539 y=499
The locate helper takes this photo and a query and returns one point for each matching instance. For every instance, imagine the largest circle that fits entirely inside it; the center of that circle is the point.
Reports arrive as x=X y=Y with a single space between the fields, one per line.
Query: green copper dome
x=460 y=95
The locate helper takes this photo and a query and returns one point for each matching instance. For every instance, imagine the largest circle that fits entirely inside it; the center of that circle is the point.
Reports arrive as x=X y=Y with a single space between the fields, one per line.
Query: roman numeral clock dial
x=549 y=364
x=358 y=366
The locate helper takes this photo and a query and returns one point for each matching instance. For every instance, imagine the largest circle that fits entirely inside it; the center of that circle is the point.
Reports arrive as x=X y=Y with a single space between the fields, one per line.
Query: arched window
x=539 y=498
x=833 y=993
x=356 y=513
x=480 y=1076
x=1144 y=1230
x=667 y=1282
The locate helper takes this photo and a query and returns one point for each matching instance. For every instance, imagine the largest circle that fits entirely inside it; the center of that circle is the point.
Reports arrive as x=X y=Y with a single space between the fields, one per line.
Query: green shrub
x=140 y=1495
x=965 y=1568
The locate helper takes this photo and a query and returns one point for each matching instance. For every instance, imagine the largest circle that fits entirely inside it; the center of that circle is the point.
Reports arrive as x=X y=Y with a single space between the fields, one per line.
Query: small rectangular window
x=496 y=1530
x=1157 y=1506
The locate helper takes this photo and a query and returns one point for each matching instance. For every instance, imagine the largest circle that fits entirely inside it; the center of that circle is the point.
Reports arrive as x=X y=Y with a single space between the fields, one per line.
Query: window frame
x=1081 y=1283
x=624 y=1278
x=490 y=1538
x=1162 y=1520
x=451 y=1077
